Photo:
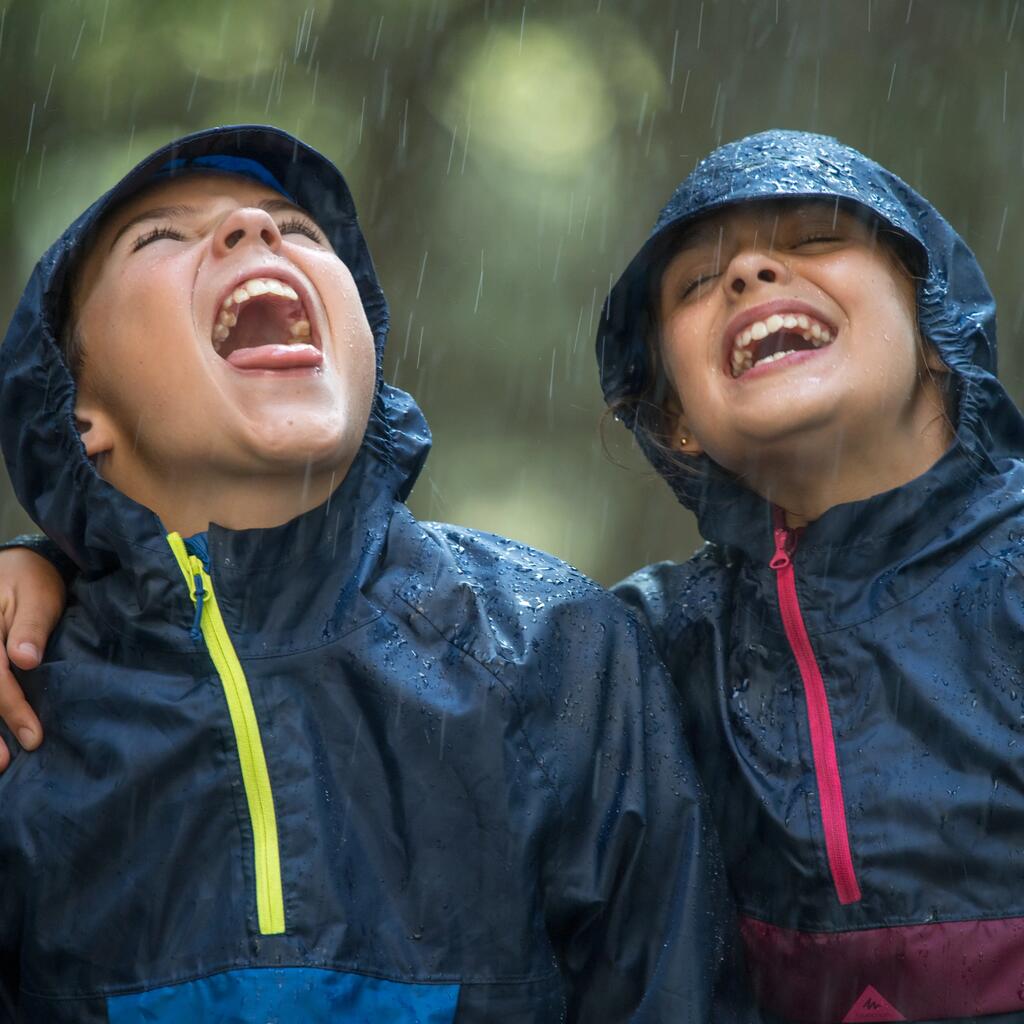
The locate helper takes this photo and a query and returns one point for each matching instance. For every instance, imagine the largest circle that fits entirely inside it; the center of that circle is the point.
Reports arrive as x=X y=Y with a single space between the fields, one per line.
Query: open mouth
x=777 y=336
x=263 y=324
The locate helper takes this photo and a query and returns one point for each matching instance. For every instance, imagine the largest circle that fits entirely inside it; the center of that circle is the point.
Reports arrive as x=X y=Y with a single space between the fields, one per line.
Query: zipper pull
x=196 y=632
x=781 y=557
x=785 y=542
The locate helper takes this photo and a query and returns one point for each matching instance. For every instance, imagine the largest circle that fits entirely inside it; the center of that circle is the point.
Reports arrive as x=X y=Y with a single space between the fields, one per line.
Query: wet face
x=221 y=334
x=785 y=321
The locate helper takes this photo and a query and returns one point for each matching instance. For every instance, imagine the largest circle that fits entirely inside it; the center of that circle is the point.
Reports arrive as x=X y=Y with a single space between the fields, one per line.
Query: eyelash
x=696 y=283
x=293 y=224
x=303 y=227
x=152 y=236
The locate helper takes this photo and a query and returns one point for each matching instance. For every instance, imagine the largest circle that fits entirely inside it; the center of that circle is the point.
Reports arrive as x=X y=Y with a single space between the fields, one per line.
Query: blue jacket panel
x=473 y=801
x=913 y=603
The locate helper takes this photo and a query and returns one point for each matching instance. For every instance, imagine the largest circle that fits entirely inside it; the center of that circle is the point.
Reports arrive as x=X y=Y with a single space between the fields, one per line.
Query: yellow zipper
x=255 y=778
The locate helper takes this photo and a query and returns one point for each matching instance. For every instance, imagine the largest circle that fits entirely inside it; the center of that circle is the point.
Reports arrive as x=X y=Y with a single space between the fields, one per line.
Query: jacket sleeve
x=636 y=895
x=45 y=548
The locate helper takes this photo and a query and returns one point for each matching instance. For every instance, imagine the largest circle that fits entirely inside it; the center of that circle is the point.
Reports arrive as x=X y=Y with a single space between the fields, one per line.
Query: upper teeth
x=228 y=316
x=799 y=323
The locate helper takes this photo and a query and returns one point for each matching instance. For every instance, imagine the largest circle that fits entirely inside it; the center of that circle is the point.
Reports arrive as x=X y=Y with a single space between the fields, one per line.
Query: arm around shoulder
x=636 y=897
x=32 y=598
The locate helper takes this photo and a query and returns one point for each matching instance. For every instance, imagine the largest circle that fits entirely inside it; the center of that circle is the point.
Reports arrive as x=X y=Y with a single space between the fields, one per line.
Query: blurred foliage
x=507 y=158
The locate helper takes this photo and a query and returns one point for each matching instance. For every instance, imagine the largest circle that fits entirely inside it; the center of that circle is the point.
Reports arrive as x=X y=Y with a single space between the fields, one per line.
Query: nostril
x=268 y=236
x=234 y=238
x=766 y=275
x=738 y=285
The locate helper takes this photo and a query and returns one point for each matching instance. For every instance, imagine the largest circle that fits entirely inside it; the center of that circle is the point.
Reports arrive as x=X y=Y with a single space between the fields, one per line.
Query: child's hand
x=32 y=598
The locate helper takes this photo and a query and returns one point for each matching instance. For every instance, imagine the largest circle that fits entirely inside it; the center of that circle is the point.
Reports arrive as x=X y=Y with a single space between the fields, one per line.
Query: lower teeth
x=774 y=356
x=744 y=361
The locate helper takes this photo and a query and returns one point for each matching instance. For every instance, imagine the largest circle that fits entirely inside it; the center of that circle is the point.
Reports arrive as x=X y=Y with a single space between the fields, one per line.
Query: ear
x=95 y=427
x=681 y=438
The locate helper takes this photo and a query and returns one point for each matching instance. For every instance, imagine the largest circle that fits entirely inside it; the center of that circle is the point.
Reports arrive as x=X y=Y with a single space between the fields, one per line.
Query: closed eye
x=818 y=238
x=152 y=236
x=699 y=281
x=295 y=225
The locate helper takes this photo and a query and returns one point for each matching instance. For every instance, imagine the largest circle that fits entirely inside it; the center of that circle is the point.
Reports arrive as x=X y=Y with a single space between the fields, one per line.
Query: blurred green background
x=507 y=158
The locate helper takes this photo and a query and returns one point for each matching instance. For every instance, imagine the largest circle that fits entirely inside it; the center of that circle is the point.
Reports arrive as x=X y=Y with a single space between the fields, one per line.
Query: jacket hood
x=956 y=310
x=58 y=486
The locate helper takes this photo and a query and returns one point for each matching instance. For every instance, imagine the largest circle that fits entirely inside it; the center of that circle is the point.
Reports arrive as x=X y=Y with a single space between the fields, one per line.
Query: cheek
x=685 y=355
x=351 y=335
x=357 y=365
x=893 y=324
x=141 y=333
x=146 y=312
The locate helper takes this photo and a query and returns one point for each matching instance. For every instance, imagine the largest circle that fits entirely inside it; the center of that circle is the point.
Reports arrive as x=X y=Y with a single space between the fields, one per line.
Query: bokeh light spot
x=535 y=97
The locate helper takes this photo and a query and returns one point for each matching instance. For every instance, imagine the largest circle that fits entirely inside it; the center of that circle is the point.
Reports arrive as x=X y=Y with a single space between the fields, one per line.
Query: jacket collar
x=284 y=588
x=862 y=558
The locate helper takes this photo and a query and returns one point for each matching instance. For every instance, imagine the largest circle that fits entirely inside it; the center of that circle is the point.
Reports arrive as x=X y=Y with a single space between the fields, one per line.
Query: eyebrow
x=184 y=210
x=701 y=234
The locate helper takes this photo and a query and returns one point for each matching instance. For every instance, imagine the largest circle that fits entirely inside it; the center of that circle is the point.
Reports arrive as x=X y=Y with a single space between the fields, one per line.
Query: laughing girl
x=805 y=350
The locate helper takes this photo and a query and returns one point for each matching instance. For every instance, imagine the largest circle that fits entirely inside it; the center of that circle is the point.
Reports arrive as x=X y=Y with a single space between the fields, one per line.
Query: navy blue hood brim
x=53 y=478
x=956 y=310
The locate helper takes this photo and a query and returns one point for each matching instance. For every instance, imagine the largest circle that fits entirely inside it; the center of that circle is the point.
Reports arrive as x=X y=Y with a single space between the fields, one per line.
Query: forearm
x=41 y=545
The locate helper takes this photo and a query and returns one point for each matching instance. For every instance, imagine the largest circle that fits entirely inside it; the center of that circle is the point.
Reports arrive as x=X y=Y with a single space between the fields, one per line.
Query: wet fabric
x=914 y=606
x=477 y=804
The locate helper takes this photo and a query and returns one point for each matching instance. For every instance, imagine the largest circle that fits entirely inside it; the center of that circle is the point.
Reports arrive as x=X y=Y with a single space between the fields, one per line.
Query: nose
x=246 y=224
x=749 y=267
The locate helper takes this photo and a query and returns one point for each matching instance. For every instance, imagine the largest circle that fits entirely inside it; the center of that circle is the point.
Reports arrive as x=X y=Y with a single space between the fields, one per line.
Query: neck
x=252 y=502
x=808 y=477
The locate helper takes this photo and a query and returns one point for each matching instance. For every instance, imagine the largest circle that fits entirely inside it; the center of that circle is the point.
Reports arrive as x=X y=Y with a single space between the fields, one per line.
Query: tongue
x=276 y=357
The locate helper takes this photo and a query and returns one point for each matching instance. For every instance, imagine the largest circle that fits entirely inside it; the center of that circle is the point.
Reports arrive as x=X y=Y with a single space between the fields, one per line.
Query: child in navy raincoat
x=806 y=351
x=324 y=762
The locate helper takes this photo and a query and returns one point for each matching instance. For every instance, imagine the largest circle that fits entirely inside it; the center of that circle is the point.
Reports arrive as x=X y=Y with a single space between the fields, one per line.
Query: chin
x=791 y=435
x=304 y=442
x=790 y=412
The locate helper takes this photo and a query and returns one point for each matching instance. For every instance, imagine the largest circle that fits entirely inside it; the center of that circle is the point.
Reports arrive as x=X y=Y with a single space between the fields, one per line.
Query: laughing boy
x=309 y=759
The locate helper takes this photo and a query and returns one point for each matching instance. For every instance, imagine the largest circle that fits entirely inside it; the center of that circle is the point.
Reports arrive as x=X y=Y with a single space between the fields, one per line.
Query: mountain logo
x=872 y=1006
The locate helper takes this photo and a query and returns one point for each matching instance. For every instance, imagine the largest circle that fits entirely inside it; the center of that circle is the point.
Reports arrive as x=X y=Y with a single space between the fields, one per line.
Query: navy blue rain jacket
x=869 y=799
x=390 y=772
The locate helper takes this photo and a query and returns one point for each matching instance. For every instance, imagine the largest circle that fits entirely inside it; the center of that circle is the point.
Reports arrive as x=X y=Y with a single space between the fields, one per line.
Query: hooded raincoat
x=354 y=767
x=856 y=690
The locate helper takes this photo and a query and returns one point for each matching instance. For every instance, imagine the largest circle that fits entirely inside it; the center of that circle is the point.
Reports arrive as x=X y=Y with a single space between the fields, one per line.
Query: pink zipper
x=823 y=746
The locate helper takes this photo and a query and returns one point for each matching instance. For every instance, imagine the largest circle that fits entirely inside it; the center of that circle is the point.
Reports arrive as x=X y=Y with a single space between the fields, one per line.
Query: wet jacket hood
x=956 y=310
x=93 y=523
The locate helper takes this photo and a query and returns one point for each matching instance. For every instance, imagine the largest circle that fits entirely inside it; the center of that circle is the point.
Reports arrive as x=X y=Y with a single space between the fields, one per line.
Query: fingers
x=16 y=713
x=32 y=616
x=28 y=613
x=28 y=634
x=23 y=652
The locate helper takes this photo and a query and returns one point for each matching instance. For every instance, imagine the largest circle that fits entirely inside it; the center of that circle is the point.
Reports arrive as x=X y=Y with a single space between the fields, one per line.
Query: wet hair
x=70 y=339
x=72 y=345
x=654 y=405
